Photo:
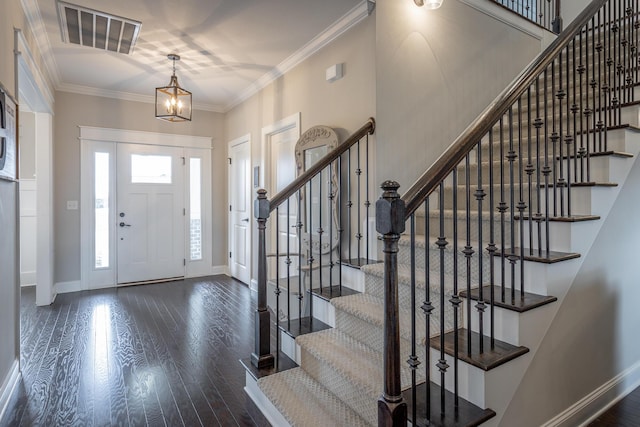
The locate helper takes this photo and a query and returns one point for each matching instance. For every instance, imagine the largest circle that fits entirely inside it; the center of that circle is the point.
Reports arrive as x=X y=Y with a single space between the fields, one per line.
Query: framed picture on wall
x=8 y=146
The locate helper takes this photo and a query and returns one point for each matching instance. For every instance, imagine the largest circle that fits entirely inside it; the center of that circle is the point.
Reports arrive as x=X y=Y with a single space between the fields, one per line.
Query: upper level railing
x=545 y=13
x=321 y=222
x=487 y=204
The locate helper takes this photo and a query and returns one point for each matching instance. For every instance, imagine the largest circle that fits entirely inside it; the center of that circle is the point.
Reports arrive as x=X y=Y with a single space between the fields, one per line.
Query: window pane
x=101 y=212
x=195 y=207
x=149 y=169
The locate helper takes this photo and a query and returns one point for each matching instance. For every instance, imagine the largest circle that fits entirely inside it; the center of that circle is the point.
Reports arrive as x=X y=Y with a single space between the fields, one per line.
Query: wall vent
x=86 y=27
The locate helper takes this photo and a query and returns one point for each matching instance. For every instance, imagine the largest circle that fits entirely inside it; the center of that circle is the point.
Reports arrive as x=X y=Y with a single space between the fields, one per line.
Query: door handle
x=122 y=224
x=245 y=220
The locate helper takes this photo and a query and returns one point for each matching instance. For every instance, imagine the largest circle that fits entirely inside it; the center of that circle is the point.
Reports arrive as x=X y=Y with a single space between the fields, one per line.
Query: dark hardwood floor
x=162 y=354
x=625 y=413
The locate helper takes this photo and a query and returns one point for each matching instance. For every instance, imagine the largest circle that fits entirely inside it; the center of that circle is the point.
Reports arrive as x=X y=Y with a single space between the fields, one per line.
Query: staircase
x=479 y=254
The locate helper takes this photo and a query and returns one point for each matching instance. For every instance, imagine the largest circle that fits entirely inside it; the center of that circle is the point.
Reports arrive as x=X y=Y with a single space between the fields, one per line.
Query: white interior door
x=283 y=172
x=150 y=213
x=240 y=218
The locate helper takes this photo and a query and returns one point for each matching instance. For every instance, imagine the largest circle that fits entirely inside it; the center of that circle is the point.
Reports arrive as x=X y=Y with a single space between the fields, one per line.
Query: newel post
x=390 y=222
x=262 y=357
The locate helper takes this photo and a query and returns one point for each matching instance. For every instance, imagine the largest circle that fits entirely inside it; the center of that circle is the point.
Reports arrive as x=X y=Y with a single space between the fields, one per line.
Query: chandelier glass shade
x=173 y=103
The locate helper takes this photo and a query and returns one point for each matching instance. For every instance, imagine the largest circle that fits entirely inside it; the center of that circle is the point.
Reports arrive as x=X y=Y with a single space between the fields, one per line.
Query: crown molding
x=353 y=17
x=127 y=96
x=36 y=24
x=39 y=32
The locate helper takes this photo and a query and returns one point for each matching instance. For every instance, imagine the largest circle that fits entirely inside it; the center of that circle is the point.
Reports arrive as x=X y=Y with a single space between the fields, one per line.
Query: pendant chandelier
x=173 y=103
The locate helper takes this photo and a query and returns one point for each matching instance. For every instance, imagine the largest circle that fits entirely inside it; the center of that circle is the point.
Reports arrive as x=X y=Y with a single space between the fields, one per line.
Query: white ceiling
x=229 y=48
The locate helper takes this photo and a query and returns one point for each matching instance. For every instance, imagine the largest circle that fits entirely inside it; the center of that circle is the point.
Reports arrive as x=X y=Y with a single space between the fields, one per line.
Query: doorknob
x=122 y=224
x=245 y=220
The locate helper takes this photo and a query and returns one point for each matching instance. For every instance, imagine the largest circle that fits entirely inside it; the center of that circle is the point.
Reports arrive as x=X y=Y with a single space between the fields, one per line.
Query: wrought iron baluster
x=288 y=263
x=568 y=138
x=320 y=233
x=468 y=249
x=561 y=94
x=442 y=244
x=546 y=170
x=340 y=228
x=587 y=110
x=554 y=138
x=331 y=197
x=480 y=305
x=511 y=158
x=367 y=203
x=537 y=124
x=502 y=208
x=427 y=306
x=580 y=154
x=599 y=85
x=310 y=258
x=521 y=205
x=413 y=358
x=277 y=290
x=349 y=207
x=300 y=255
x=491 y=247
x=455 y=299
x=359 y=204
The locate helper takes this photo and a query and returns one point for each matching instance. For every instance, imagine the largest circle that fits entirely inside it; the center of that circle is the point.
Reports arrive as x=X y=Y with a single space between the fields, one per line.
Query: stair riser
x=373 y=335
x=404 y=257
x=562 y=236
x=582 y=201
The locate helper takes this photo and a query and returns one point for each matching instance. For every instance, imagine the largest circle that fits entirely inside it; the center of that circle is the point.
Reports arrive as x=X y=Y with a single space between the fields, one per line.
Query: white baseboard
x=220 y=269
x=598 y=401
x=8 y=387
x=269 y=411
x=66 y=287
x=27 y=278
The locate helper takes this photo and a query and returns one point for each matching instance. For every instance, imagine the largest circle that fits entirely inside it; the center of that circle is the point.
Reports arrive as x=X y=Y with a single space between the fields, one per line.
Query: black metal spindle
x=491 y=247
x=413 y=358
x=299 y=234
x=455 y=299
x=546 y=170
x=367 y=202
x=359 y=204
x=468 y=249
x=349 y=207
x=427 y=306
x=288 y=263
x=554 y=137
x=511 y=158
x=277 y=290
x=331 y=196
x=442 y=244
x=502 y=208
x=340 y=228
x=568 y=137
x=561 y=94
x=310 y=257
x=480 y=305
x=320 y=233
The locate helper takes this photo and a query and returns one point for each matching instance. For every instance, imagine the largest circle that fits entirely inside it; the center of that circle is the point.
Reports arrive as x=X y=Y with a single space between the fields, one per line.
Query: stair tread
x=545 y=257
x=489 y=359
x=304 y=401
x=528 y=302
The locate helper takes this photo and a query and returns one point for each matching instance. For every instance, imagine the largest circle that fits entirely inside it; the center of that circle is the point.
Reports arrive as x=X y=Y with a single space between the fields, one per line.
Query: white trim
x=254 y=285
x=599 y=400
x=33 y=87
x=263 y=403
x=27 y=184
x=9 y=386
x=128 y=96
x=90 y=133
x=220 y=269
x=291 y=122
x=507 y=17
x=352 y=18
x=27 y=278
x=73 y=286
x=39 y=32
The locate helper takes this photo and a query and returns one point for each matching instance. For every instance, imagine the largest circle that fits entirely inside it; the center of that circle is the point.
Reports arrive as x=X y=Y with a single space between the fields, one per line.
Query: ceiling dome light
x=430 y=4
x=173 y=103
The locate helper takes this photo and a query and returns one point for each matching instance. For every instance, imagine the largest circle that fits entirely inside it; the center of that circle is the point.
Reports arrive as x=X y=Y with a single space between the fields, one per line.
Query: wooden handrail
x=368 y=128
x=441 y=168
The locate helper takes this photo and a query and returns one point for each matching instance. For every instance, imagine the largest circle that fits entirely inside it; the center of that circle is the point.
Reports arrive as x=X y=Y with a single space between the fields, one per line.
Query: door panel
x=150 y=213
x=240 y=217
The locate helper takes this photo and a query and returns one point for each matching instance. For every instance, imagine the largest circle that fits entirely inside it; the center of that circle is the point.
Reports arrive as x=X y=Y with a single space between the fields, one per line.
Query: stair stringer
x=499 y=389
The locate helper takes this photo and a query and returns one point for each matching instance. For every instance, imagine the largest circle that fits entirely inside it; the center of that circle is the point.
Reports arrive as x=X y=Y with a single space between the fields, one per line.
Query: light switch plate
x=72 y=205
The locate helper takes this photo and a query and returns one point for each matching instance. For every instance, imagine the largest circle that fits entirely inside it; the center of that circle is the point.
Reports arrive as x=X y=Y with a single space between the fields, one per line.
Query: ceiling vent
x=86 y=27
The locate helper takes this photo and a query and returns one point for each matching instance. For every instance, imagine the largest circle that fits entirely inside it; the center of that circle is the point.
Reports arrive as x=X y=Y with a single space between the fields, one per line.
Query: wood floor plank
x=164 y=354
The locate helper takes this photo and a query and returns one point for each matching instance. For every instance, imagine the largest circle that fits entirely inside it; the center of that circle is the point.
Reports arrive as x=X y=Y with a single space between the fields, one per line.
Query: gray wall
x=74 y=110
x=594 y=335
x=436 y=71
x=9 y=337
x=345 y=104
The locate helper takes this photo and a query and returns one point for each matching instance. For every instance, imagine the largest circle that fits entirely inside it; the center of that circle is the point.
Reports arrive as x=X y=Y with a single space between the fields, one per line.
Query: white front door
x=150 y=213
x=240 y=218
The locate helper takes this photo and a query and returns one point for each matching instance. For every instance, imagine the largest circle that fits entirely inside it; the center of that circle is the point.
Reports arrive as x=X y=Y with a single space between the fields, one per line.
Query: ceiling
x=229 y=48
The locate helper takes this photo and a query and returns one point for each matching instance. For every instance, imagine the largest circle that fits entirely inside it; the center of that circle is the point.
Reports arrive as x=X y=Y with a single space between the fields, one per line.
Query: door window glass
x=101 y=210
x=195 y=208
x=150 y=169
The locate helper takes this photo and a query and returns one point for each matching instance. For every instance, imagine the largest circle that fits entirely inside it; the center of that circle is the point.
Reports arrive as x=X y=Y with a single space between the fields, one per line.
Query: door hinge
x=184 y=261
x=229 y=254
x=184 y=211
x=184 y=161
x=229 y=158
x=229 y=208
